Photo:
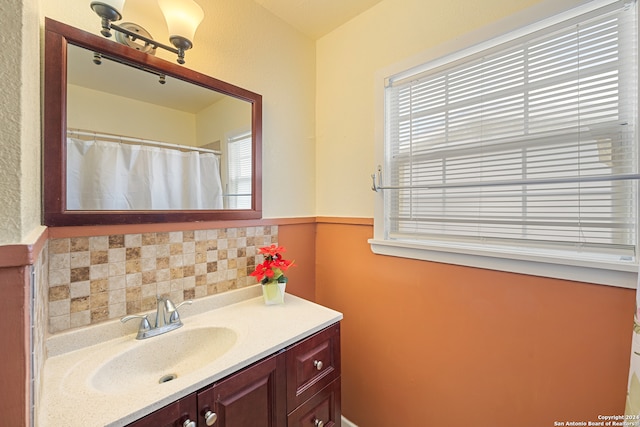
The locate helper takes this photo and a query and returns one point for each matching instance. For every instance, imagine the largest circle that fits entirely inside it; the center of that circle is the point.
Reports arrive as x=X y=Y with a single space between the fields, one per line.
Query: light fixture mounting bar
x=135 y=36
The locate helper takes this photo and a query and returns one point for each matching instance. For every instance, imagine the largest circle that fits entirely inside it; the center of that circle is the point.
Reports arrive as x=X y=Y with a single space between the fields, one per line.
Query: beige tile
x=58 y=323
x=148 y=264
x=189 y=282
x=59 y=261
x=132 y=240
x=117 y=297
x=80 y=289
x=189 y=259
x=99 y=271
x=117 y=254
x=80 y=259
x=117 y=282
x=81 y=318
x=117 y=269
x=163 y=275
x=59 y=277
x=149 y=251
x=117 y=310
x=59 y=308
x=164 y=287
x=99 y=243
x=176 y=261
x=189 y=247
x=134 y=280
x=92 y=279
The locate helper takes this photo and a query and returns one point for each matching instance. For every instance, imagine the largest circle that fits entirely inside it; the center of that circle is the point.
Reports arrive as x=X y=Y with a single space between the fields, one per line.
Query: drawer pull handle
x=210 y=418
x=188 y=423
x=318 y=364
x=318 y=423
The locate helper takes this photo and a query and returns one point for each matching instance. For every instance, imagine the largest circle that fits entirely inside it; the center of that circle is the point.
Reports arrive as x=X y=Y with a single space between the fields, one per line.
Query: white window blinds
x=238 y=194
x=530 y=144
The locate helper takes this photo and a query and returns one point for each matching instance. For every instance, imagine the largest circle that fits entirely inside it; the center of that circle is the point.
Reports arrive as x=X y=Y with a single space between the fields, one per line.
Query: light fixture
x=182 y=16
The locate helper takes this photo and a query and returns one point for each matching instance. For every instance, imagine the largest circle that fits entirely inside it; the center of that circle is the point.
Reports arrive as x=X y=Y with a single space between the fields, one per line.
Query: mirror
x=131 y=138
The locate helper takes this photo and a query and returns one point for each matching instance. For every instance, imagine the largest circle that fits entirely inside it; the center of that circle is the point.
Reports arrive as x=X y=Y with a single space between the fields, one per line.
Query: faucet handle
x=145 y=326
x=174 y=316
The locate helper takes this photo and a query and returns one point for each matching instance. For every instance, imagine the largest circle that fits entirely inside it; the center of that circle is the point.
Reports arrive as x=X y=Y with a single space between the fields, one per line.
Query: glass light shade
x=182 y=16
x=116 y=4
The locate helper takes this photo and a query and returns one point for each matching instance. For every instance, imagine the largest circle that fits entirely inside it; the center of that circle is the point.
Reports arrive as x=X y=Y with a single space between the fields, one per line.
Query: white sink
x=162 y=358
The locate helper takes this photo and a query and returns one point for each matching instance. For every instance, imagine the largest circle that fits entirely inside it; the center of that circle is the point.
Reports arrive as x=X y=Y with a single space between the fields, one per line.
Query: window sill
x=619 y=274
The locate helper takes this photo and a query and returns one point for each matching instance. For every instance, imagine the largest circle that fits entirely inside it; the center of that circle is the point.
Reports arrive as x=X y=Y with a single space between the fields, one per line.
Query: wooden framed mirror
x=105 y=102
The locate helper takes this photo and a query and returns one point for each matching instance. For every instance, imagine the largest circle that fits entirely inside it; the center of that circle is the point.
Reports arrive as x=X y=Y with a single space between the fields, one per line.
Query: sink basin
x=162 y=358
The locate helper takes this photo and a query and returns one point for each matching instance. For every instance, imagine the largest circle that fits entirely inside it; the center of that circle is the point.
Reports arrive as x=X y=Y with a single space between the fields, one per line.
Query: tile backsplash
x=92 y=279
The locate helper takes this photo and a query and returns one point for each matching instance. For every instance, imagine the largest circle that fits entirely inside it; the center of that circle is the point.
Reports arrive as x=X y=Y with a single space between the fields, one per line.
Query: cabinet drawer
x=312 y=364
x=322 y=409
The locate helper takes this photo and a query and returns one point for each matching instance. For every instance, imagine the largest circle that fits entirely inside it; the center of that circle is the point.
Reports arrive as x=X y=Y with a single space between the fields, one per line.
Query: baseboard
x=347 y=423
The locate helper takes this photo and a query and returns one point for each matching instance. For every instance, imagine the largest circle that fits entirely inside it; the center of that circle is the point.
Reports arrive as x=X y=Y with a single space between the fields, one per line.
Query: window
x=524 y=150
x=238 y=194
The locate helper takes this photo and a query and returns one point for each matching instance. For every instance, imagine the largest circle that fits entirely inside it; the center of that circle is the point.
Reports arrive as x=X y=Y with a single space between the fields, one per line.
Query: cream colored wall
x=103 y=112
x=20 y=118
x=243 y=44
x=348 y=60
x=221 y=119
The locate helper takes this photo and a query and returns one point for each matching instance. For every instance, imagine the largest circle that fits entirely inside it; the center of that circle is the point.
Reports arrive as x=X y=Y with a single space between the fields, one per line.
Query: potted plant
x=270 y=273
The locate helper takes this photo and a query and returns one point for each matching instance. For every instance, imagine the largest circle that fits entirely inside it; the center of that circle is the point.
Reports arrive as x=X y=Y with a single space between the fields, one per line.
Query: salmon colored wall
x=14 y=335
x=427 y=344
x=299 y=241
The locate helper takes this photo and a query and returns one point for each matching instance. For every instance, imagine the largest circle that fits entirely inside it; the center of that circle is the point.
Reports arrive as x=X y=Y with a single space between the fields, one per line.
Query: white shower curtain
x=104 y=175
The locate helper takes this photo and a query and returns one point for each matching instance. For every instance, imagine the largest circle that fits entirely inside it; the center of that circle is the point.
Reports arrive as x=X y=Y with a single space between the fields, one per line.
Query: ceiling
x=315 y=18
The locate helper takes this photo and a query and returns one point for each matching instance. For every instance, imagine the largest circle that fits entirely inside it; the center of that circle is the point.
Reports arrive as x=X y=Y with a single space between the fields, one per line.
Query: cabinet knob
x=318 y=423
x=210 y=418
x=318 y=365
x=189 y=423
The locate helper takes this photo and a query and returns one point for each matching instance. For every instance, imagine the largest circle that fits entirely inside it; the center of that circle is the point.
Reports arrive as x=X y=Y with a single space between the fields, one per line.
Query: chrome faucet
x=167 y=319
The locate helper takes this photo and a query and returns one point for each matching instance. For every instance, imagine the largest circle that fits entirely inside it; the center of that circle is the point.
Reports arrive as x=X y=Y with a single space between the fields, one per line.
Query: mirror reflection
x=140 y=140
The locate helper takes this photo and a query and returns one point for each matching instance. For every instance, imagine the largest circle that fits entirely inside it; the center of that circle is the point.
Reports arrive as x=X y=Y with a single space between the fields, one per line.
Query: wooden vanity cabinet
x=297 y=387
x=253 y=397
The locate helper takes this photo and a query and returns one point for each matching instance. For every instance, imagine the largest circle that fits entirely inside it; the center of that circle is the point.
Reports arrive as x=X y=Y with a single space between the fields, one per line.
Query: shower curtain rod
x=81 y=132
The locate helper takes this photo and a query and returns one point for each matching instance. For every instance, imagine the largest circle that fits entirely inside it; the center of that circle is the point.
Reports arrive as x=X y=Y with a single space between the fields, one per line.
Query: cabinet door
x=172 y=415
x=312 y=364
x=322 y=410
x=253 y=397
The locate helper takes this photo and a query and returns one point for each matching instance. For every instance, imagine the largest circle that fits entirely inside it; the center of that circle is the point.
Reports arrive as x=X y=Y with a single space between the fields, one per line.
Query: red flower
x=273 y=267
x=272 y=250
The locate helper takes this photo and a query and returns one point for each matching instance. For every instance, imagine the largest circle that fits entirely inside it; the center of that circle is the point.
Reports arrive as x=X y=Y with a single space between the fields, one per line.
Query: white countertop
x=68 y=397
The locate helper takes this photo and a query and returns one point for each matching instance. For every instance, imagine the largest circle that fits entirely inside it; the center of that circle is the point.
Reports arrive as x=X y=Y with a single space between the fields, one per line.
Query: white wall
x=243 y=44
